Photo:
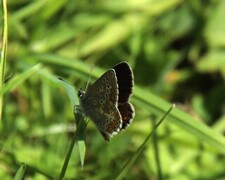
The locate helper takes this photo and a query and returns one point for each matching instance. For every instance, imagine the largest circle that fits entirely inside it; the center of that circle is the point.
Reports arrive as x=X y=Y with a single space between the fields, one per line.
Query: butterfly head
x=80 y=93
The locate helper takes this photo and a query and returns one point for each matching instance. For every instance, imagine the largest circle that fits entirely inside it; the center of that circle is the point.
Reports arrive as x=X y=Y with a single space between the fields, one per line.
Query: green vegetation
x=177 y=51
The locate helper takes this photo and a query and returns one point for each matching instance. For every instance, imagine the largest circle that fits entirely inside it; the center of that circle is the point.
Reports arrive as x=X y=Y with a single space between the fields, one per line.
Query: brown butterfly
x=106 y=102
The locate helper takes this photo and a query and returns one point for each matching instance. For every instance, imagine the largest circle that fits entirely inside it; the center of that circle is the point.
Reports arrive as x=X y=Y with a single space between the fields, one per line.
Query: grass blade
x=3 y=51
x=183 y=120
x=79 y=134
x=19 y=79
x=140 y=149
x=20 y=173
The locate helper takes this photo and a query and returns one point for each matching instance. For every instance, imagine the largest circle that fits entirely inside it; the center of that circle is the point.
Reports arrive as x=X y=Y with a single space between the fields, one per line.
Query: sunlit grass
x=176 y=52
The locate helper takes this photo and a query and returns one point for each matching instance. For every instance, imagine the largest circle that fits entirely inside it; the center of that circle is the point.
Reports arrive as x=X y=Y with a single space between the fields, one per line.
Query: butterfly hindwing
x=106 y=117
x=125 y=83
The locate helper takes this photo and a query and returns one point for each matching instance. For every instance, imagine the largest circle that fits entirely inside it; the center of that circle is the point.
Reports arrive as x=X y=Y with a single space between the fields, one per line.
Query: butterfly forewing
x=105 y=87
x=100 y=104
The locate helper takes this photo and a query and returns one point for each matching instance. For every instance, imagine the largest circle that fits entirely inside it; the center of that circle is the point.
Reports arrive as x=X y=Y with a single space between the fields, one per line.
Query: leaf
x=20 y=173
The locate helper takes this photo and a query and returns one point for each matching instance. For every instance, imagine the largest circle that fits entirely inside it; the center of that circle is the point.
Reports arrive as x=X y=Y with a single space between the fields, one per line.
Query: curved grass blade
x=19 y=79
x=131 y=161
x=183 y=120
x=78 y=135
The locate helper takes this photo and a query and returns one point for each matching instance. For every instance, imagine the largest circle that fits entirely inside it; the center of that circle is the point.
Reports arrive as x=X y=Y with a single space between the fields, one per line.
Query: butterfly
x=106 y=102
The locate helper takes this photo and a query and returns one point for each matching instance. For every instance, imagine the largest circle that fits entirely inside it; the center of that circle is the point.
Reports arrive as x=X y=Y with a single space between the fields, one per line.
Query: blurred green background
x=176 y=49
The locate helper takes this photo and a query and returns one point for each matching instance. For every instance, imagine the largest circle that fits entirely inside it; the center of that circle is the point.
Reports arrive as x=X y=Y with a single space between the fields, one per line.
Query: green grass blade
x=201 y=131
x=29 y=10
x=82 y=150
x=78 y=135
x=3 y=52
x=20 y=173
x=71 y=92
x=19 y=79
x=66 y=161
x=140 y=149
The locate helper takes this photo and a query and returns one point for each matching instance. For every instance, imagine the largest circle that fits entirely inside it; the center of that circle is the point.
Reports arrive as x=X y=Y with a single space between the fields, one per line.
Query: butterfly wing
x=125 y=81
x=105 y=86
x=100 y=104
x=107 y=118
x=125 y=85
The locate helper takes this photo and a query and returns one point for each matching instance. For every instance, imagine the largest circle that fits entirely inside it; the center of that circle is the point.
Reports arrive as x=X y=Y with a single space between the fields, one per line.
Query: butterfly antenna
x=92 y=66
